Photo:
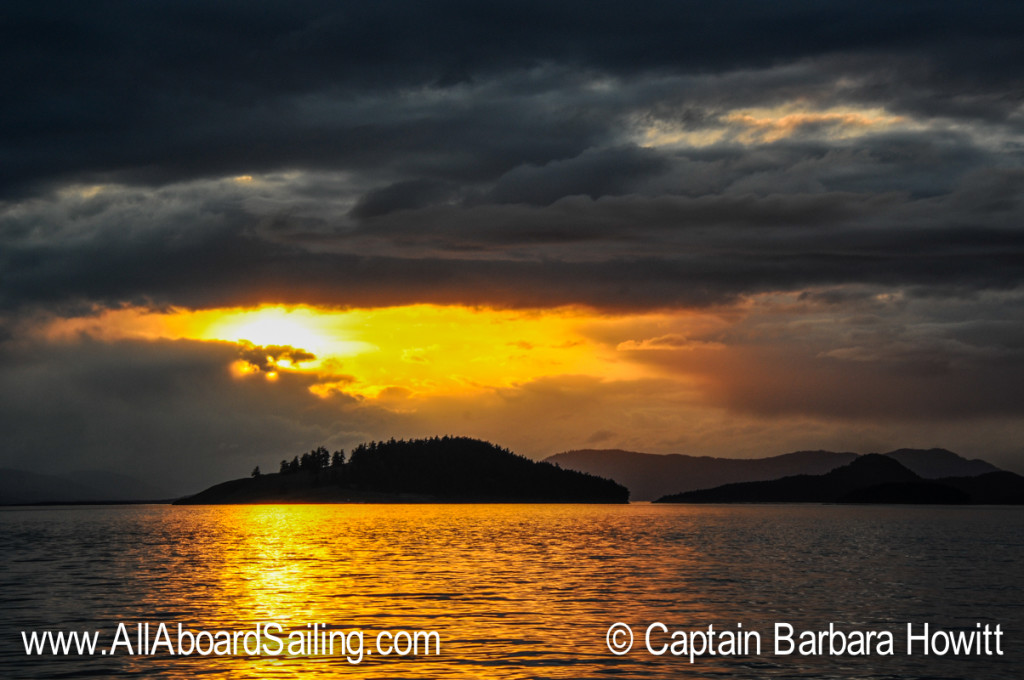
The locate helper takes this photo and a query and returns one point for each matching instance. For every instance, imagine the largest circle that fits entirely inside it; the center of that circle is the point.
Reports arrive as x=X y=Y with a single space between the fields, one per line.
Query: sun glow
x=302 y=328
x=392 y=354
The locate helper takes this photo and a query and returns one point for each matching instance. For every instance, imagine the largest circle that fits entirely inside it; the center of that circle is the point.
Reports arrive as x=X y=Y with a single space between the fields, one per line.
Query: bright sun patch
x=303 y=328
x=390 y=353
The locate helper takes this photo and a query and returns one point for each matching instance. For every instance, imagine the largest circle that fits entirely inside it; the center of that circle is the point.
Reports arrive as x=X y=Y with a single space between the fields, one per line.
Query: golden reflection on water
x=513 y=590
x=269 y=567
x=502 y=584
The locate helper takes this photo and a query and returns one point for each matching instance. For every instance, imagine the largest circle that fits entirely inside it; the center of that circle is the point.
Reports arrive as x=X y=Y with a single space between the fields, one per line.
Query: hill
x=448 y=469
x=872 y=478
x=938 y=463
x=649 y=476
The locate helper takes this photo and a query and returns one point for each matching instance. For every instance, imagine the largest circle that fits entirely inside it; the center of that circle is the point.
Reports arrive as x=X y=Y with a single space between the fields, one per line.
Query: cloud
x=857 y=166
x=463 y=160
x=600 y=436
x=672 y=341
x=166 y=408
x=405 y=195
x=166 y=94
x=868 y=358
x=267 y=357
x=608 y=172
x=202 y=245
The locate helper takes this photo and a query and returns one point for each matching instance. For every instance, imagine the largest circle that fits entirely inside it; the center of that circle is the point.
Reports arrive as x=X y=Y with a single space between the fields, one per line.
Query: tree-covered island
x=438 y=469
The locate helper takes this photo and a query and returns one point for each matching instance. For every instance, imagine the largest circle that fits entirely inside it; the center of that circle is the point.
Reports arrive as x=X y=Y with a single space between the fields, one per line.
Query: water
x=514 y=591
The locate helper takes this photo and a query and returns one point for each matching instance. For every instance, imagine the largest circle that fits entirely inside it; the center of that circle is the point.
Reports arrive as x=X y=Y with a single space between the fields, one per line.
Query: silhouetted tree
x=466 y=469
x=256 y=471
x=316 y=460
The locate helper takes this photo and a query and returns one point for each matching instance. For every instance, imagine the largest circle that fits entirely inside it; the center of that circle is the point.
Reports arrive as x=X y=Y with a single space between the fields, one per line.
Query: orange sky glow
x=418 y=350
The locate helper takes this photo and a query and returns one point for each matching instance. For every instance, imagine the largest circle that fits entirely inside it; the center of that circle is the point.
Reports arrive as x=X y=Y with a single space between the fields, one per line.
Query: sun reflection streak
x=474 y=573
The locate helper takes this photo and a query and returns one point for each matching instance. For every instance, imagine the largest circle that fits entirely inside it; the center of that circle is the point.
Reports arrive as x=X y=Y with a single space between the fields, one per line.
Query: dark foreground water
x=513 y=591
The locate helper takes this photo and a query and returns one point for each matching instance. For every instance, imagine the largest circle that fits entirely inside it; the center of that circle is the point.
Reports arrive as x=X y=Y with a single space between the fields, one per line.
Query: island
x=650 y=476
x=871 y=478
x=432 y=470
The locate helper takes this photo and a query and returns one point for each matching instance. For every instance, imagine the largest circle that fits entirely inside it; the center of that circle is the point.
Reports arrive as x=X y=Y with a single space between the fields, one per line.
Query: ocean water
x=512 y=591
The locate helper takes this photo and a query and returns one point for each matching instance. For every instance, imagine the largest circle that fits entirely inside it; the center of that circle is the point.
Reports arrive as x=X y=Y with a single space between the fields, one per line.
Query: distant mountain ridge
x=871 y=478
x=649 y=476
x=938 y=463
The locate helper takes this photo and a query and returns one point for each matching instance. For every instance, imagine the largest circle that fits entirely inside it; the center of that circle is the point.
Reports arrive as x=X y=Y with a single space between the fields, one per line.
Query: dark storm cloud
x=406 y=195
x=153 y=91
x=205 y=246
x=168 y=408
x=608 y=172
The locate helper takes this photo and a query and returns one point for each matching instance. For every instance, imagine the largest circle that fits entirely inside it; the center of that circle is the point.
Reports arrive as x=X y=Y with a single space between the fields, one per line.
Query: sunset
x=795 y=245
x=396 y=258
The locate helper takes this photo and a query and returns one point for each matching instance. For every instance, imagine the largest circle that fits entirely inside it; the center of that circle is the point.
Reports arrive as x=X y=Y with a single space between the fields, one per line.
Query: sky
x=233 y=232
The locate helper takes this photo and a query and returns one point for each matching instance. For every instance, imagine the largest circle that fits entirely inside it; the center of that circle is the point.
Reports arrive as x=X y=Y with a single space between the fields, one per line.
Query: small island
x=434 y=470
x=871 y=478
